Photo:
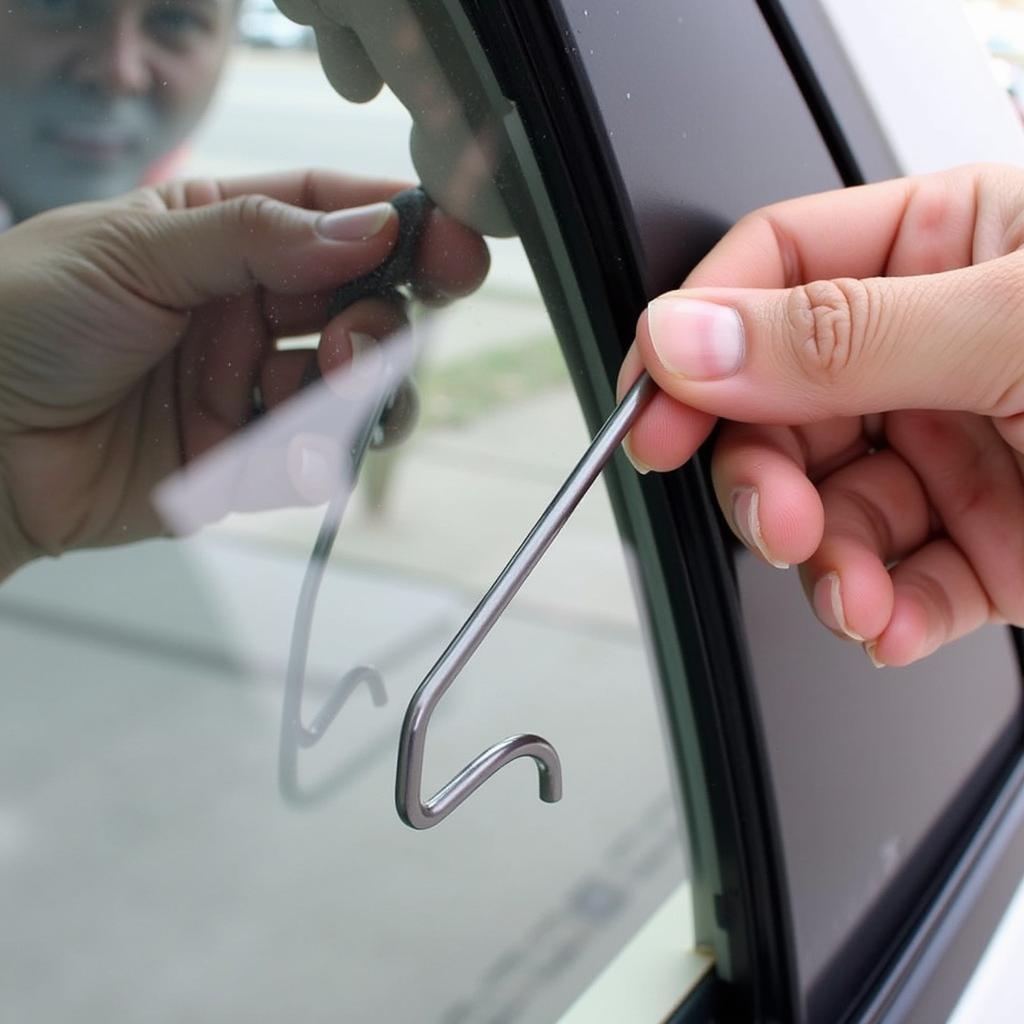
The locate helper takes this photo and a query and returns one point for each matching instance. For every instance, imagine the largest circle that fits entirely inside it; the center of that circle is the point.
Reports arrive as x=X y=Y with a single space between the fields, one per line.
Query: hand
x=133 y=332
x=870 y=350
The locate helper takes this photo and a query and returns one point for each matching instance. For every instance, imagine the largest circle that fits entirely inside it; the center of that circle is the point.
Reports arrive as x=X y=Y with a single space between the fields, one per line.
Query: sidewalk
x=462 y=494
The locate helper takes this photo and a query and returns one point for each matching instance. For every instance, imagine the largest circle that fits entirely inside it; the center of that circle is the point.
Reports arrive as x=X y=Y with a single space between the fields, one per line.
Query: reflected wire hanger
x=391 y=418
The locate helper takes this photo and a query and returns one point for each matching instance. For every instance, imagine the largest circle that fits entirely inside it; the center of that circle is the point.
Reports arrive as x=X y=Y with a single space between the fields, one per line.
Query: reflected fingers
x=346 y=341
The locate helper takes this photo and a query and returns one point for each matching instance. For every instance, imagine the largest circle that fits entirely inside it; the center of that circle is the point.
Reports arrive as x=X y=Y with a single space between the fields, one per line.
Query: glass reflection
x=156 y=871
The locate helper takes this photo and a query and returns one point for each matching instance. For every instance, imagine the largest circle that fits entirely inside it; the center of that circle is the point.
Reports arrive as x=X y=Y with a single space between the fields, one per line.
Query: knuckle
x=121 y=247
x=934 y=596
x=830 y=321
x=261 y=226
x=859 y=513
x=253 y=212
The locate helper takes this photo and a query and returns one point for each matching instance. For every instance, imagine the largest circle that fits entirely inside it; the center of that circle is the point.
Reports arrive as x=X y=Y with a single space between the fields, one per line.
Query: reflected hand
x=870 y=354
x=134 y=331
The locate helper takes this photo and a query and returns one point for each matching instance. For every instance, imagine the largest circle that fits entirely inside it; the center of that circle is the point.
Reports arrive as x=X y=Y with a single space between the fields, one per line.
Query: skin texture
x=94 y=92
x=135 y=329
x=878 y=410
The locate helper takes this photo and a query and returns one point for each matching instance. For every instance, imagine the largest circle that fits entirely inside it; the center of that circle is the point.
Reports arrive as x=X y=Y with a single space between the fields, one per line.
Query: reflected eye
x=174 y=23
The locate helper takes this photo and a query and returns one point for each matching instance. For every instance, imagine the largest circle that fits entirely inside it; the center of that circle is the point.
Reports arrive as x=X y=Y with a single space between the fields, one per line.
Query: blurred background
x=999 y=27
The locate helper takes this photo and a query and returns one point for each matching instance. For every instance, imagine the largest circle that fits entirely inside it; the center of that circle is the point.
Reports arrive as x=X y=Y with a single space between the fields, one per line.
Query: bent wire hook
x=412 y=747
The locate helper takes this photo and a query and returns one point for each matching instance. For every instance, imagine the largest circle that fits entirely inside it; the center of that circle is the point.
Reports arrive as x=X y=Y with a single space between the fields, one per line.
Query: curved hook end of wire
x=411 y=809
x=421 y=815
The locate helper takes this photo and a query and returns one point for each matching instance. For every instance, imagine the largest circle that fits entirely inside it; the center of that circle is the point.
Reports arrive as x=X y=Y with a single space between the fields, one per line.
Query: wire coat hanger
x=412 y=809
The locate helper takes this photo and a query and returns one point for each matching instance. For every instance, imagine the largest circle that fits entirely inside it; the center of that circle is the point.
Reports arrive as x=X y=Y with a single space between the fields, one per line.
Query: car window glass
x=155 y=869
x=875 y=771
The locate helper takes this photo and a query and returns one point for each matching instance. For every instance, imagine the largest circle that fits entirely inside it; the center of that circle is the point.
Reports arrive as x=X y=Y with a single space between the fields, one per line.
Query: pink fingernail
x=356 y=224
x=696 y=339
x=747 y=518
x=641 y=467
x=828 y=606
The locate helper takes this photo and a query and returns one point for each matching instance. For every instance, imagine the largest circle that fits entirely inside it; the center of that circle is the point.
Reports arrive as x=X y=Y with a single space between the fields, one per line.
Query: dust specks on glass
x=151 y=814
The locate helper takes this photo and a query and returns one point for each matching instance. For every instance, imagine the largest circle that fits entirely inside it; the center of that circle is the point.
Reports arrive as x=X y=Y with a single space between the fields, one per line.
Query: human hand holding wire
x=868 y=352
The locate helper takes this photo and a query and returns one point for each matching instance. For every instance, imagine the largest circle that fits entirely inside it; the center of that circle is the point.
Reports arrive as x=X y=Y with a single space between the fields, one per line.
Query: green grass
x=458 y=392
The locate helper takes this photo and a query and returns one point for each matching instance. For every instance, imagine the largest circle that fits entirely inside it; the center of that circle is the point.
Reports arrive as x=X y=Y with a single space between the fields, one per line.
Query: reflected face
x=94 y=92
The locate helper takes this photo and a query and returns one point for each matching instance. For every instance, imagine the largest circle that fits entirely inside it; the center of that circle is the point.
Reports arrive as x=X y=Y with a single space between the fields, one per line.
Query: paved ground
x=151 y=870
x=155 y=873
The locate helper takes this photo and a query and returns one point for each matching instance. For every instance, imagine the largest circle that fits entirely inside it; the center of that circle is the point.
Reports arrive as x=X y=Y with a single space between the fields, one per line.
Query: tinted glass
x=875 y=771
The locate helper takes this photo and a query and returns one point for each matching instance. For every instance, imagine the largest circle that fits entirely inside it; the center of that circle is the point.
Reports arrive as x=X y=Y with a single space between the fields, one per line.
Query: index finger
x=920 y=225
x=309 y=189
x=904 y=226
x=453 y=261
x=799 y=240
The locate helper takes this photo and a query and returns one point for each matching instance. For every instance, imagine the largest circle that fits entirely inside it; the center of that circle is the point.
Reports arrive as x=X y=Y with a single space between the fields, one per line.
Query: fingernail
x=828 y=606
x=747 y=519
x=869 y=649
x=314 y=465
x=356 y=224
x=696 y=339
x=641 y=467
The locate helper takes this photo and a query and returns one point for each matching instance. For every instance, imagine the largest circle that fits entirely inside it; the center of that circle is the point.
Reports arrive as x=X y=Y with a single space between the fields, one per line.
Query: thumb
x=844 y=347
x=184 y=258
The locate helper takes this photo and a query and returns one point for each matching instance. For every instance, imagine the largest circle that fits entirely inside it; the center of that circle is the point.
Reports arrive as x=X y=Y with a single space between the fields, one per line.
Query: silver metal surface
x=412 y=747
